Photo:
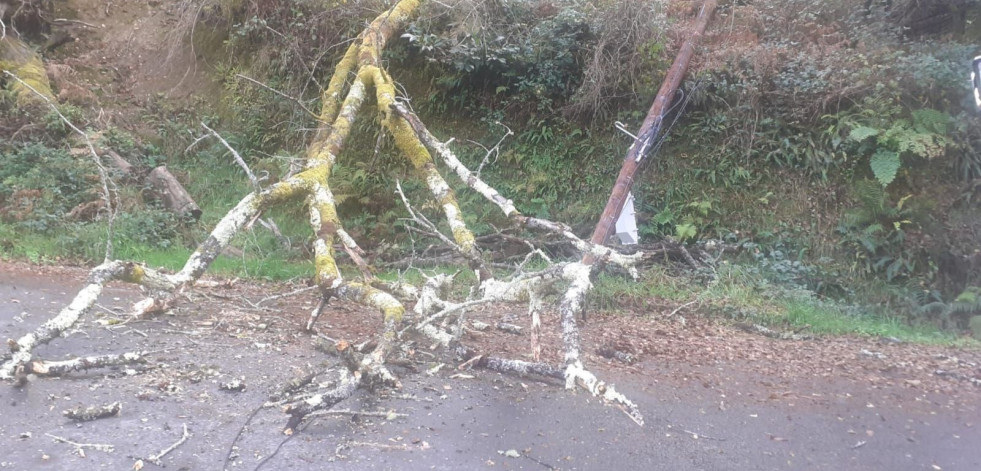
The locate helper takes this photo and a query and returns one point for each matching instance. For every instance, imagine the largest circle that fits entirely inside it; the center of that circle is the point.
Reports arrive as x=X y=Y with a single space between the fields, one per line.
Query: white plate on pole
x=626 y=225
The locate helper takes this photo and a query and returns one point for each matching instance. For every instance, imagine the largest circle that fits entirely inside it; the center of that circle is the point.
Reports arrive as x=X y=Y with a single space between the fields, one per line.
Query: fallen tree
x=359 y=74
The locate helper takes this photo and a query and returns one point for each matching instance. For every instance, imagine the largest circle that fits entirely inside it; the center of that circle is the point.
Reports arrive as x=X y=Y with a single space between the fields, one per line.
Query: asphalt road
x=487 y=421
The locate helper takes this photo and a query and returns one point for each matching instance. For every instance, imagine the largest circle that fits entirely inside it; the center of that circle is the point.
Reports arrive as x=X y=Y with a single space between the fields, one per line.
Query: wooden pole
x=649 y=131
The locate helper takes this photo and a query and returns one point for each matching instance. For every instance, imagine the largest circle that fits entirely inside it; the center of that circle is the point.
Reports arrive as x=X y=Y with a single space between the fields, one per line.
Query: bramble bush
x=40 y=184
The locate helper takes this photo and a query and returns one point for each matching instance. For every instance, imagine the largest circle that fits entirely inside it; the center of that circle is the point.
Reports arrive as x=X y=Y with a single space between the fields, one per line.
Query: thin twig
x=380 y=446
x=448 y=310
x=241 y=430
x=706 y=437
x=293 y=45
x=387 y=415
x=155 y=459
x=196 y=141
x=286 y=295
x=80 y=447
x=66 y=20
x=681 y=307
x=238 y=158
x=423 y=221
x=267 y=87
x=496 y=150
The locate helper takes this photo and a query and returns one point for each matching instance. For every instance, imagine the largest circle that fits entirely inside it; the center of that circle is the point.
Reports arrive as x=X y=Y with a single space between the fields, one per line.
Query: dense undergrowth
x=833 y=145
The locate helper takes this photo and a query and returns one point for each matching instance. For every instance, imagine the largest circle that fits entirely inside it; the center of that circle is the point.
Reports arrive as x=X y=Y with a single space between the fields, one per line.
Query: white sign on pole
x=626 y=226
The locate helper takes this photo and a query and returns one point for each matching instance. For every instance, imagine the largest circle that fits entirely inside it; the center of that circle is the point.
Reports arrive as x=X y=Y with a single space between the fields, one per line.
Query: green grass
x=741 y=295
x=267 y=268
x=155 y=237
x=833 y=319
x=47 y=250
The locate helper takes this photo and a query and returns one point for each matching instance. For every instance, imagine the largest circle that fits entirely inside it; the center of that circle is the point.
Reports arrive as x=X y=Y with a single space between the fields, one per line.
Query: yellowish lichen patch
x=326 y=269
x=328 y=219
x=18 y=59
x=136 y=274
x=392 y=310
x=408 y=142
x=381 y=29
x=284 y=190
x=331 y=98
x=464 y=237
x=405 y=138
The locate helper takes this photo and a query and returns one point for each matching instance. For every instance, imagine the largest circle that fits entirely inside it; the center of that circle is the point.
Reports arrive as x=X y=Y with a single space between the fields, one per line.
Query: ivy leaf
x=861 y=133
x=885 y=165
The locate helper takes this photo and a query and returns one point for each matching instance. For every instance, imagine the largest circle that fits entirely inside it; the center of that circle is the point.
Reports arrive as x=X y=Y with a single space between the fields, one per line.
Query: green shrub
x=522 y=53
x=39 y=185
x=874 y=232
x=889 y=138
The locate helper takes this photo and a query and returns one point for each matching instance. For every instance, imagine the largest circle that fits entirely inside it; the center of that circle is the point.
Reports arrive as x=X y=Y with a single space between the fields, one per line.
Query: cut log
x=171 y=193
x=125 y=169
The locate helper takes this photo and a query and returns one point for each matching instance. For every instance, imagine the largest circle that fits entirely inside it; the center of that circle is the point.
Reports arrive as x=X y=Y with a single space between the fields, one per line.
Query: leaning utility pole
x=649 y=131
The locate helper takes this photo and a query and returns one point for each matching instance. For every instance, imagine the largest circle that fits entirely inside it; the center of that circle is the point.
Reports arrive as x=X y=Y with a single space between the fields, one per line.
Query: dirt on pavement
x=713 y=397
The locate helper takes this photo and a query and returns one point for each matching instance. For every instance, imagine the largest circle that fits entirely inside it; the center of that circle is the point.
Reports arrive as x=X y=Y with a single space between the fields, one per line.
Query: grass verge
x=740 y=295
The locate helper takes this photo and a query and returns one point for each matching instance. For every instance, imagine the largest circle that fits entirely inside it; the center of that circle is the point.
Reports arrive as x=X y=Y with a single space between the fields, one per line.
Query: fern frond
x=861 y=133
x=885 y=165
x=928 y=120
x=871 y=194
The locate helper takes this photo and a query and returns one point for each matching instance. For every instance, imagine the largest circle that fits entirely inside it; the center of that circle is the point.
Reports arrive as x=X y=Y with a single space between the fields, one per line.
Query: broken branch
x=155 y=459
x=80 y=447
